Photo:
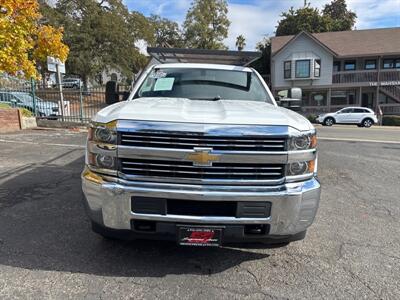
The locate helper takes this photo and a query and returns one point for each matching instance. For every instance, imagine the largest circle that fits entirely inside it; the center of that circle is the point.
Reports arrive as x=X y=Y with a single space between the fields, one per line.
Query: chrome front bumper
x=293 y=209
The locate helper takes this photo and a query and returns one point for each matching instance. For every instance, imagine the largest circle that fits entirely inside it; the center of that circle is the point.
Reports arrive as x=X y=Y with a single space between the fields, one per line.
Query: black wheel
x=276 y=245
x=100 y=230
x=111 y=234
x=367 y=123
x=329 y=121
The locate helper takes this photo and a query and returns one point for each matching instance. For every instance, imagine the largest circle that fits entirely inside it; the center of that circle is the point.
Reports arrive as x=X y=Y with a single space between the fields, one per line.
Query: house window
x=397 y=63
x=370 y=64
x=343 y=97
x=303 y=68
x=317 y=98
x=388 y=63
x=336 y=66
x=287 y=69
x=350 y=65
x=317 y=68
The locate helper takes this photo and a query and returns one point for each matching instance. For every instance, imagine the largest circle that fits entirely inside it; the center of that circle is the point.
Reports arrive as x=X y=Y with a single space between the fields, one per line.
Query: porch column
x=328 y=99
x=377 y=85
x=360 y=97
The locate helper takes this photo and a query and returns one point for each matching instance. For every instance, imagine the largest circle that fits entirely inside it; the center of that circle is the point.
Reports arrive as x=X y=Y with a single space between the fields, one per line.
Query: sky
x=258 y=18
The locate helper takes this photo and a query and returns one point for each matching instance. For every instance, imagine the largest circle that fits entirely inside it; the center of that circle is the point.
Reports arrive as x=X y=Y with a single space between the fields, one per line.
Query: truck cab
x=201 y=154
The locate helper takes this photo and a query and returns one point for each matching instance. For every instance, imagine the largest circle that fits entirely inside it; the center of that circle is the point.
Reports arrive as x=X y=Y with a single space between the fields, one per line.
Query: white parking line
x=45 y=144
x=358 y=140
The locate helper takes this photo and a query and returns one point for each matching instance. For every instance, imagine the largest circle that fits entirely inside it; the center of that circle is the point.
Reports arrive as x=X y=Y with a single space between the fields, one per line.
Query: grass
x=4 y=105
x=25 y=112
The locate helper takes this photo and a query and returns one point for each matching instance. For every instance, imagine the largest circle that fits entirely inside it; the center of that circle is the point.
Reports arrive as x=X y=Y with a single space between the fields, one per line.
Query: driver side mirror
x=112 y=92
x=290 y=99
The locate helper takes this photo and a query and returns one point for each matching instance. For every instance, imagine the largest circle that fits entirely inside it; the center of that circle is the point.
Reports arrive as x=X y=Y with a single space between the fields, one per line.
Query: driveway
x=47 y=249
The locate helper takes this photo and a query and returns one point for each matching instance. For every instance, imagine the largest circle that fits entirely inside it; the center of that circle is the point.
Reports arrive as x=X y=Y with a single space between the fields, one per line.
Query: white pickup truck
x=201 y=154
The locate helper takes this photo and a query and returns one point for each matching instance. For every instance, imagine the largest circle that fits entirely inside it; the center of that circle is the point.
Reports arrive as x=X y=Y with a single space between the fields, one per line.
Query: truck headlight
x=105 y=161
x=303 y=142
x=104 y=133
x=102 y=136
x=300 y=168
x=101 y=161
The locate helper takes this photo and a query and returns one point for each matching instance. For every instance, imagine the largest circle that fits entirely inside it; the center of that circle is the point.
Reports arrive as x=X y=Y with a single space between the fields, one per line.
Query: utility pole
x=61 y=91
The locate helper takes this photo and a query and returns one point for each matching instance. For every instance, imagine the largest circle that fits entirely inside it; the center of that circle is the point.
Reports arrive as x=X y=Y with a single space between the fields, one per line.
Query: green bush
x=312 y=118
x=391 y=121
x=26 y=112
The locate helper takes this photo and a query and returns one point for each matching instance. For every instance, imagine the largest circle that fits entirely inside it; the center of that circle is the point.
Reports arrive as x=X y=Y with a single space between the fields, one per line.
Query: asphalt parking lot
x=47 y=249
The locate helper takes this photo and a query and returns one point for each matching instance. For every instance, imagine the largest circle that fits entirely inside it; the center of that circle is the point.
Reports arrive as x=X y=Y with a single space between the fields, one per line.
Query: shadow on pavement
x=43 y=226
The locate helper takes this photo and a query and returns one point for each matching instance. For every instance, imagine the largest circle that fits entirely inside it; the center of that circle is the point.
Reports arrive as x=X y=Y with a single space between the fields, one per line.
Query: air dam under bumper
x=293 y=205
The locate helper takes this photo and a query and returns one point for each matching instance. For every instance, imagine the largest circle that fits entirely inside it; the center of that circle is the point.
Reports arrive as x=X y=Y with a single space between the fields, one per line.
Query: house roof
x=350 y=43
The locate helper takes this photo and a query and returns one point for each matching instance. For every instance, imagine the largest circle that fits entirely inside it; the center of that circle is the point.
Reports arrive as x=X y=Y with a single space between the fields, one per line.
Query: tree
x=334 y=17
x=24 y=41
x=240 y=42
x=166 y=32
x=341 y=18
x=101 y=35
x=206 y=24
x=303 y=19
x=262 y=65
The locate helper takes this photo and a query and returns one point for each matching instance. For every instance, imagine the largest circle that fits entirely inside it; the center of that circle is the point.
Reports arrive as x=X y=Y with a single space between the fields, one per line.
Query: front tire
x=329 y=121
x=107 y=234
x=367 y=123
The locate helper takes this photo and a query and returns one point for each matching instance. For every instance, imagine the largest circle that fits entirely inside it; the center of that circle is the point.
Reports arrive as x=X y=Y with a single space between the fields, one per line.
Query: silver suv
x=362 y=116
x=74 y=83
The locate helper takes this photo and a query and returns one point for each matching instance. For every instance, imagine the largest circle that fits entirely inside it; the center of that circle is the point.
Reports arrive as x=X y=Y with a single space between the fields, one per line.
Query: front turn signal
x=91 y=176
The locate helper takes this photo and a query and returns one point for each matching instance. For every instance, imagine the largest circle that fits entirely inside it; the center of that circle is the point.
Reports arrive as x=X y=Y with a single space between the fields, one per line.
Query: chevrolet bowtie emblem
x=202 y=157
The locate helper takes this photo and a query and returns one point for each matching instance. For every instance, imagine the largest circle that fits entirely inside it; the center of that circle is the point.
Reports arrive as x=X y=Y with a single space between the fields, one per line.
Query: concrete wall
x=10 y=120
x=303 y=45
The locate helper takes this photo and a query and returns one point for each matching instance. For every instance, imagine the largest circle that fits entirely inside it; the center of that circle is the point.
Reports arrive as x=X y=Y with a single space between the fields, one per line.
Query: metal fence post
x=33 y=90
x=60 y=90
x=80 y=103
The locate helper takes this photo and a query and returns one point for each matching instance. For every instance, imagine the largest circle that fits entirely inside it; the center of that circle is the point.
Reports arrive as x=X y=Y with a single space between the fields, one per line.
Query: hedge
x=391 y=121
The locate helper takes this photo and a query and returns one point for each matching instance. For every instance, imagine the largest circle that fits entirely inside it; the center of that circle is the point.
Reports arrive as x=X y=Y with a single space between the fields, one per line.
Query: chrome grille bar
x=218 y=166
x=237 y=143
x=185 y=169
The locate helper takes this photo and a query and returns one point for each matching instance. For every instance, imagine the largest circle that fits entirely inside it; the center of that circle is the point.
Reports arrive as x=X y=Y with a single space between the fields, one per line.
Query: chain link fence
x=78 y=105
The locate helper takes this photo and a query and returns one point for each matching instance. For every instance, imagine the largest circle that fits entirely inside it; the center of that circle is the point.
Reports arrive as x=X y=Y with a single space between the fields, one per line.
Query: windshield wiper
x=216 y=98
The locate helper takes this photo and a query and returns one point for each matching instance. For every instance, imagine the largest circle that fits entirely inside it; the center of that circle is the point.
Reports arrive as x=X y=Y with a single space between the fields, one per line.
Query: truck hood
x=237 y=112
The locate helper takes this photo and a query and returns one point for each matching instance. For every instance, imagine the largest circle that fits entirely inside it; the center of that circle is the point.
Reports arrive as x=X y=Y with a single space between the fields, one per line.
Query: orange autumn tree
x=24 y=41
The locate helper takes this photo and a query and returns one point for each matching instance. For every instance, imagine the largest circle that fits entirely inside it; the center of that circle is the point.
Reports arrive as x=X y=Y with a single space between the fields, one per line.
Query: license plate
x=199 y=236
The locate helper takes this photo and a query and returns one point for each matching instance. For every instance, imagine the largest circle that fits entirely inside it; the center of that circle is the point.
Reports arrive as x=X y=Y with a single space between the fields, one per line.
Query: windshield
x=27 y=98
x=203 y=84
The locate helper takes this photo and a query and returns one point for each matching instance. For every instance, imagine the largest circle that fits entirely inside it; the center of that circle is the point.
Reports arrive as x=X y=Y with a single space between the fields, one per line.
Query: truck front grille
x=189 y=140
x=185 y=169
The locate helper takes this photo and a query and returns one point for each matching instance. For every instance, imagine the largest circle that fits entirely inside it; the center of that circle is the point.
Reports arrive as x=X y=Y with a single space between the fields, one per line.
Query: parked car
x=201 y=154
x=25 y=100
x=362 y=116
x=74 y=83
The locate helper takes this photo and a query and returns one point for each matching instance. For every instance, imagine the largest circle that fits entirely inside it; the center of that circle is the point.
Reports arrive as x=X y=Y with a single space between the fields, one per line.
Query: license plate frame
x=200 y=236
